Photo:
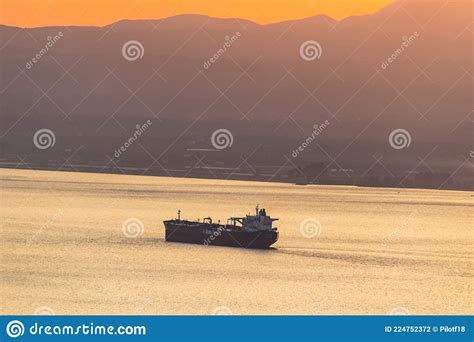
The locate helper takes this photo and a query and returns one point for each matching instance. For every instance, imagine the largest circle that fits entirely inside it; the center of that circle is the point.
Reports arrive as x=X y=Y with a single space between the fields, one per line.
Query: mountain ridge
x=259 y=87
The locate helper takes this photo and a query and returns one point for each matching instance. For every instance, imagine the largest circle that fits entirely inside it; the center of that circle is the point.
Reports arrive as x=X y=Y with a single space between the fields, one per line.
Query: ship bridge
x=258 y=222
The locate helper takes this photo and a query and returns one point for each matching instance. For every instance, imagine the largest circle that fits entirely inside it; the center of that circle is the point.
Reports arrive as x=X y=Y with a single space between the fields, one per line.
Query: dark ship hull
x=209 y=234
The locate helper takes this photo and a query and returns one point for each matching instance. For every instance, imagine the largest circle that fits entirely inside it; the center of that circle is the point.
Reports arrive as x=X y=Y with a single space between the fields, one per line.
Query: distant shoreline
x=236 y=177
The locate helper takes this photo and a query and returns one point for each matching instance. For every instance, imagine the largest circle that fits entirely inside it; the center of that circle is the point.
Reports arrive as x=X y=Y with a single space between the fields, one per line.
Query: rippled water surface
x=362 y=250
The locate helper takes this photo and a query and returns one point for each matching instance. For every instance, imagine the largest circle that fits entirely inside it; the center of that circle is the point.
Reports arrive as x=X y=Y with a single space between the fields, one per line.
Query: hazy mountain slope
x=259 y=88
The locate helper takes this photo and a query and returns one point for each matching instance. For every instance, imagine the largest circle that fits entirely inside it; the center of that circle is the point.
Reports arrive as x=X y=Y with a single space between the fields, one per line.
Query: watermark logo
x=310 y=228
x=227 y=44
x=322 y=304
x=222 y=139
x=133 y=228
x=15 y=329
x=44 y=311
x=133 y=50
x=222 y=311
x=311 y=50
x=44 y=139
x=399 y=139
x=399 y=311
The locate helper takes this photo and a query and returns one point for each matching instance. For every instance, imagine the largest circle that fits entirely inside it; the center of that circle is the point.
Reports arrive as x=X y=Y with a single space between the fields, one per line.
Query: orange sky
x=33 y=13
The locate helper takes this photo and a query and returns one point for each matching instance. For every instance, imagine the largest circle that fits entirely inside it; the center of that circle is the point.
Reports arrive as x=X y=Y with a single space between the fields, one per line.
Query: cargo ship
x=251 y=231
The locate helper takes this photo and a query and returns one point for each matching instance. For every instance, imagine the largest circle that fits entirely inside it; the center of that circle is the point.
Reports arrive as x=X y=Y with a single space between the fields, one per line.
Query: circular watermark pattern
x=15 y=329
x=399 y=139
x=222 y=139
x=310 y=228
x=399 y=311
x=133 y=50
x=132 y=227
x=311 y=50
x=44 y=311
x=44 y=138
x=222 y=311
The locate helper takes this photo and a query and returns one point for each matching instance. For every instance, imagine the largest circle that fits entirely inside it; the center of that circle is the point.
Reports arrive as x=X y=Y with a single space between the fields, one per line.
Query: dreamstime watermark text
x=406 y=42
x=50 y=221
x=227 y=44
x=140 y=129
x=16 y=329
x=317 y=130
x=404 y=223
x=49 y=44
x=214 y=235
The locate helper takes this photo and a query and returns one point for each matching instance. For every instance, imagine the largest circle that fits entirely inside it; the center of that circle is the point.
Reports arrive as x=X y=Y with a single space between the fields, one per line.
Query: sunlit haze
x=36 y=13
